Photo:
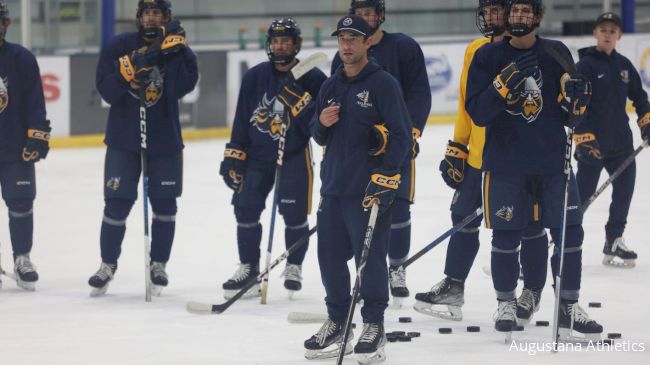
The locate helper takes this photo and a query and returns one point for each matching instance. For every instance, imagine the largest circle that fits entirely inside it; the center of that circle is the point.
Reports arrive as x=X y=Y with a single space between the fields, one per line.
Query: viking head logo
x=267 y=117
x=506 y=213
x=4 y=94
x=529 y=102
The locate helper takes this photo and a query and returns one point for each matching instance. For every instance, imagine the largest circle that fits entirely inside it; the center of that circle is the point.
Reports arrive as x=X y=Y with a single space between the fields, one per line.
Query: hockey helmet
x=379 y=5
x=489 y=30
x=165 y=7
x=283 y=27
x=522 y=29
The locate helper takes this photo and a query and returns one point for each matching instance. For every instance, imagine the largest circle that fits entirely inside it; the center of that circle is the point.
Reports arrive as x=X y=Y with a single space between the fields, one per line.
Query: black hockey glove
x=509 y=83
x=381 y=189
x=575 y=96
x=452 y=167
x=138 y=65
x=294 y=97
x=644 y=124
x=416 y=146
x=233 y=166
x=38 y=143
x=587 y=149
x=377 y=140
x=173 y=35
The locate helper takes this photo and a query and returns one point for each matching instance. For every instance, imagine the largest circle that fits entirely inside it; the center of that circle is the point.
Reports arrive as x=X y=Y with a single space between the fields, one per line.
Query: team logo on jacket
x=113 y=183
x=528 y=103
x=364 y=98
x=506 y=213
x=4 y=94
x=153 y=88
x=267 y=119
x=625 y=76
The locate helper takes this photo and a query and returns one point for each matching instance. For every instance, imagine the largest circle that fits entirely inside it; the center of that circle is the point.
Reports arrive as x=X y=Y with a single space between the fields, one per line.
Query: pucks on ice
x=612 y=336
x=519 y=328
x=413 y=334
x=391 y=335
x=398 y=333
x=404 y=338
x=444 y=330
x=473 y=329
x=595 y=305
x=405 y=320
x=391 y=338
x=542 y=323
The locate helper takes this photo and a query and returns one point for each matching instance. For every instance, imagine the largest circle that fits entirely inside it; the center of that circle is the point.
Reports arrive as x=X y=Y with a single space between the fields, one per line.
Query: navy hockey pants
x=18 y=181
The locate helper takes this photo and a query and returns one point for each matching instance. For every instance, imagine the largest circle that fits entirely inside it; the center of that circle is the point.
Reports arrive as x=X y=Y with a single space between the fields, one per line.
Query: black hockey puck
x=444 y=330
x=413 y=334
x=398 y=333
x=542 y=323
x=595 y=305
x=473 y=329
x=404 y=338
x=519 y=328
x=354 y=325
x=391 y=338
x=390 y=335
x=405 y=320
x=613 y=336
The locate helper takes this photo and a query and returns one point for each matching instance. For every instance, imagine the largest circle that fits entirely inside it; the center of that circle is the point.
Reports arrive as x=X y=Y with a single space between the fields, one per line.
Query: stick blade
x=304 y=66
x=306 y=317
x=200 y=308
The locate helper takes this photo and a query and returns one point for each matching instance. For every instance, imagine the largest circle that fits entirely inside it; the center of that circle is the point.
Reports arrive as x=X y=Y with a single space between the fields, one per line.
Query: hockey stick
x=569 y=66
x=201 y=308
x=294 y=74
x=145 y=191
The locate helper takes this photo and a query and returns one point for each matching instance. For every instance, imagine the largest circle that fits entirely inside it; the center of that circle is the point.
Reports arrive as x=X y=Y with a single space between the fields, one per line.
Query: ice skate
x=159 y=279
x=100 y=280
x=448 y=292
x=398 y=289
x=506 y=318
x=326 y=343
x=370 y=348
x=244 y=274
x=527 y=305
x=575 y=325
x=292 y=278
x=617 y=254
x=25 y=272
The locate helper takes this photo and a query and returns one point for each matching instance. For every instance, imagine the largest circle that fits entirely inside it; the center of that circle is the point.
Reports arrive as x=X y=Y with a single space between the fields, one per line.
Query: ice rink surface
x=61 y=324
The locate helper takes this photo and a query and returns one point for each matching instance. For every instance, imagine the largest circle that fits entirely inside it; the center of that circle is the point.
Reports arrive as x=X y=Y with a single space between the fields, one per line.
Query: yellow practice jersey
x=465 y=131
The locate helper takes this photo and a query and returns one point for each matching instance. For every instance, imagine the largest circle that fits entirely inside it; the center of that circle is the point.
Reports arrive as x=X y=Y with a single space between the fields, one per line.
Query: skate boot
x=101 y=279
x=527 y=305
x=398 y=289
x=448 y=292
x=506 y=318
x=326 y=343
x=617 y=254
x=575 y=325
x=292 y=278
x=370 y=348
x=159 y=278
x=25 y=271
x=244 y=274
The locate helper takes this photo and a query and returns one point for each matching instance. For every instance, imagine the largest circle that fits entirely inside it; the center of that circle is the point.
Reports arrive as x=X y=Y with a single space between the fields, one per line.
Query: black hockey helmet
x=165 y=7
x=489 y=30
x=283 y=27
x=379 y=5
x=521 y=29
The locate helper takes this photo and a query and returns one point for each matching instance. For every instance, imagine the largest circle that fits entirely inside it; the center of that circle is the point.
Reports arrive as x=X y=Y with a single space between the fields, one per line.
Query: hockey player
x=249 y=163
x=158 y=59
x=461 y=170
x=524 y=98
x=24 y=140
x=402 y=57
x=604 y=138
x=351 y=102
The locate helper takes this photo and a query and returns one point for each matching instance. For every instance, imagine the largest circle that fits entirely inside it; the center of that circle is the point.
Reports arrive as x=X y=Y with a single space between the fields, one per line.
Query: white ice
x=61 y=324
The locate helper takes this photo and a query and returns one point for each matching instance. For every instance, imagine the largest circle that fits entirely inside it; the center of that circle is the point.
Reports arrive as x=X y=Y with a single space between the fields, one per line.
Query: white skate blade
x=329 y=352
x=373 y=357
x=156 y=290
x=453 y=313
x=306 y=317
x=568 y=335
x=291 y=293
x=397 y=303
x=615 y=261
x=26 y=285
x=507 y=337
x=253 y=292
x=98 y=292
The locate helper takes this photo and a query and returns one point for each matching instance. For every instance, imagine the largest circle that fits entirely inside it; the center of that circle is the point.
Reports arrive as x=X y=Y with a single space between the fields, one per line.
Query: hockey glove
x=137 y=66
x=587 y=149
x=38 y=143
x=294 y=97
x=452 y=167
x=575 y=94
x=233 y=166
x=416 y=146
x=381 y=189
x=173 y=35
x=644 y=124
x=509 y=83
x=377 y=140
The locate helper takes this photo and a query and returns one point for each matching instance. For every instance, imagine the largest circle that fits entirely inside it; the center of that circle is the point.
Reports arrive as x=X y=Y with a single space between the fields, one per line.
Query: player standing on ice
x=604 y=138
x=24 y=140
x=351 y=102
x=158 y=59
x=249 y=162
x=402 y=57
x=524 y=98
x=461 y=170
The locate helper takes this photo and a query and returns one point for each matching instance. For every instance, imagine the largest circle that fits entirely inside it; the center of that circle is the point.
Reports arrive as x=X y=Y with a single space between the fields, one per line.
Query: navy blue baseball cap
x=608 y=17
x=354 y=24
